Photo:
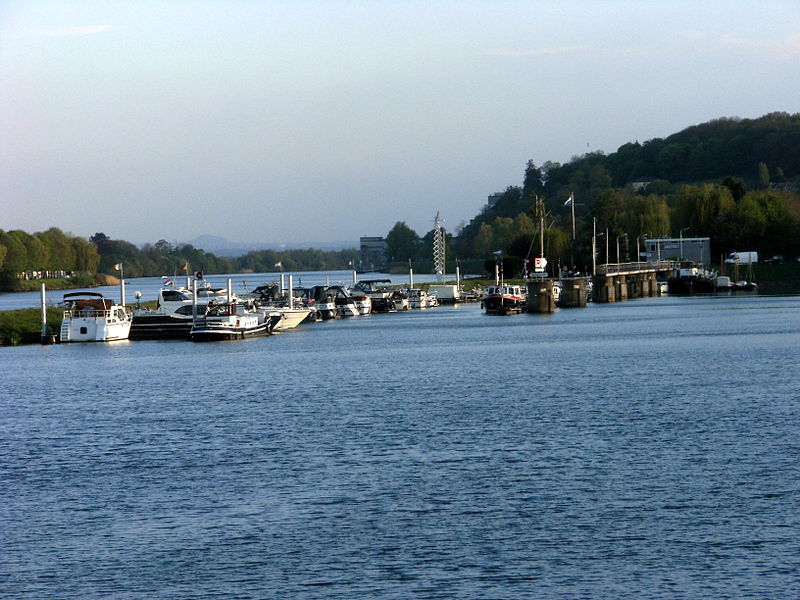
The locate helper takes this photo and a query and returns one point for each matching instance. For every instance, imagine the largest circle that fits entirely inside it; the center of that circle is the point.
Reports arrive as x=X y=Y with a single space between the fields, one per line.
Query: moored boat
x=362 y=301
x=232 y=320
x=690 y=279
x=503 y=300
x=270 y=300
x=172 y=317
x=380 y=296
x=419 y=298
x=344 y=301
x=90 y=317
x=324 y=302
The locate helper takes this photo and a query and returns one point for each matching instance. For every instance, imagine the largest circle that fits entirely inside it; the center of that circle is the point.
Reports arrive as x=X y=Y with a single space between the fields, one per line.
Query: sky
x=318 y=121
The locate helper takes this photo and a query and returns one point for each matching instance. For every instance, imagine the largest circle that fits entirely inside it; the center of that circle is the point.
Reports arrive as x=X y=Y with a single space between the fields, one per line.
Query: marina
x=199 y=311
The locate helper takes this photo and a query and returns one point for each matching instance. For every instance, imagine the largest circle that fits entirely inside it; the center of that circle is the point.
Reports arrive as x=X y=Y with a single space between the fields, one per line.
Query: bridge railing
x=636 y=267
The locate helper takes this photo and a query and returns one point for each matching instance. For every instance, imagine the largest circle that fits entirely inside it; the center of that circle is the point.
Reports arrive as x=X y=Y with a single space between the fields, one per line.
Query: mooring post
x=44 y=316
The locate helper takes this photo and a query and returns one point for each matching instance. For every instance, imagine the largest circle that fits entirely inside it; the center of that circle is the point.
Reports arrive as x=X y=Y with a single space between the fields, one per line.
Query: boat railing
x=89 y=313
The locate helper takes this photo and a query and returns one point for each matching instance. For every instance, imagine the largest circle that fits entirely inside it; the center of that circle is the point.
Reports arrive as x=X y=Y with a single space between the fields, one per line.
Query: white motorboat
x=362 y=301
x=290 y=317
x=232 y=320
x=345 y=303
x=323 y=301
x=419 y=298
x=380 y=297
x=400 y=300
x=172 y=317
x=270 y=300
x=90 y=317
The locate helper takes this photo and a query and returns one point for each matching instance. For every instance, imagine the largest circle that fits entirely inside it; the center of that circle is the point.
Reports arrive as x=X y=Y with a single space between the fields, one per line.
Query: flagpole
x=572 y=254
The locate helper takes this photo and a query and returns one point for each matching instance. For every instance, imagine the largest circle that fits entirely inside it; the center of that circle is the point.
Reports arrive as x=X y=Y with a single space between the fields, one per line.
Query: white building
x=695 y=249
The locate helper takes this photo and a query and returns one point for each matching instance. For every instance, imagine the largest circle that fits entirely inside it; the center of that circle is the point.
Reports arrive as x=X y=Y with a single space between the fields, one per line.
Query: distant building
x=492 y=199
x=373 y=252
x=694 y=249
x=641 y=183
x=786 y=186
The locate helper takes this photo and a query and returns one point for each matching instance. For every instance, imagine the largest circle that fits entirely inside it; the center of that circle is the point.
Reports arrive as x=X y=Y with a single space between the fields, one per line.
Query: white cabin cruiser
x=380 y=297
x=324 y=302
x=419 y=298
x=89 y=317
x=362 y=300
x=345 y=303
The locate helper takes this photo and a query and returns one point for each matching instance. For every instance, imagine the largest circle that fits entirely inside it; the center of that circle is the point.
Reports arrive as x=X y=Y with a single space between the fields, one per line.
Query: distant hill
x=224 y=247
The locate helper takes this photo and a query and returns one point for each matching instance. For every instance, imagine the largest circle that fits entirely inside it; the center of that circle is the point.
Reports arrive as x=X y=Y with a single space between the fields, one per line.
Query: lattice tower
x=438 y=249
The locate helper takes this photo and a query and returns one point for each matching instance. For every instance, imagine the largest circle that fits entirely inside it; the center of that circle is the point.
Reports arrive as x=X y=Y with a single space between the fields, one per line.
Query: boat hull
x=210 y=333
x=689 y=286
x=155 y=327
x=503 y=304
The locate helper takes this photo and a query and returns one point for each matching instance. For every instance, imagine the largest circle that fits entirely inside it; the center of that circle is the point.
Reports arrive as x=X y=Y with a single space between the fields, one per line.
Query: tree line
x=45 y=254
x=52 y=254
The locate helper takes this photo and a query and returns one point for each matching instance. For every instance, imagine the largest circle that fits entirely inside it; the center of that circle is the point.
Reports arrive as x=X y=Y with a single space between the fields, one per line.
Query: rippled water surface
x=648 y=449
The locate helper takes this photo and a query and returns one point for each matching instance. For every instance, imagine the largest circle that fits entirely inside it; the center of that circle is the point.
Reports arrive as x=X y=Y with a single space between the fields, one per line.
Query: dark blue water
x=649 y=449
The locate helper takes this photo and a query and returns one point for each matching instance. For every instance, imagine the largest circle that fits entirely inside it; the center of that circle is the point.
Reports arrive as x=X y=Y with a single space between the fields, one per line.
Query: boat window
x=175 y=296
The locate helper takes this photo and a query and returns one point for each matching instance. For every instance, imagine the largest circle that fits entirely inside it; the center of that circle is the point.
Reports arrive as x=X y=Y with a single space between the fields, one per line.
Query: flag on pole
x=198 y=275
x=166 y=282
x=278 y=264
x=185 y=267
x=118 y=267
x=569 y=201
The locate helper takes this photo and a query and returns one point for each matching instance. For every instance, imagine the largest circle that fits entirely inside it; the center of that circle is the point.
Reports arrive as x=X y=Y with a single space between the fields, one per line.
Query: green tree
x=16 y=260
x=86 y=256
x=402 y=242
x=763 y=176
x=484 y=243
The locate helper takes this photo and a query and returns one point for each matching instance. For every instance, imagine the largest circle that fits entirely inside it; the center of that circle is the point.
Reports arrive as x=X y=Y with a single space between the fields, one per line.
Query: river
x=645 y=449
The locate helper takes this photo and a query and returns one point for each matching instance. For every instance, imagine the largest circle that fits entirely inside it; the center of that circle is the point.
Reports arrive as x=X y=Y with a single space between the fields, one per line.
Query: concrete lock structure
x=573 y=293
x=540 y=296
x=616 y=288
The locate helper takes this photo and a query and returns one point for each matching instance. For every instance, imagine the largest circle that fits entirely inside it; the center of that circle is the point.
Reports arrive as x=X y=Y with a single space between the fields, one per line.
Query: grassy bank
x=24 y=326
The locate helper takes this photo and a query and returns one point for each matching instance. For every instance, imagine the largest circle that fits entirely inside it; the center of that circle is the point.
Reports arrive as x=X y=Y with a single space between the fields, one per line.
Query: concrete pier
x=573 y=293
x=604 y=290
x=540 y=296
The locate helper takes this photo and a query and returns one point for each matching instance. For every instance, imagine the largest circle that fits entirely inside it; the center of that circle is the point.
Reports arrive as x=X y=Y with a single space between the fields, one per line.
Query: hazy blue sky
x=295 y=121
